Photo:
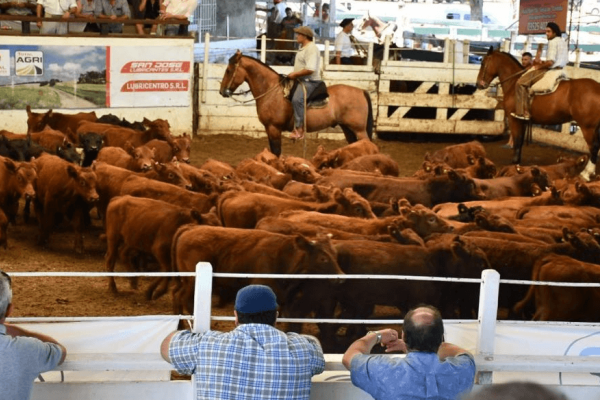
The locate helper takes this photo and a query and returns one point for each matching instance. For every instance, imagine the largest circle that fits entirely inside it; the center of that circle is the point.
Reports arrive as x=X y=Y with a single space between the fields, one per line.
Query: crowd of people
x=258 y=361
x=114 y=11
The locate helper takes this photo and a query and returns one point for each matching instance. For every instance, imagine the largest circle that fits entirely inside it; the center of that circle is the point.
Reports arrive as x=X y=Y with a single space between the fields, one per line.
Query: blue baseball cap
x=255 y=298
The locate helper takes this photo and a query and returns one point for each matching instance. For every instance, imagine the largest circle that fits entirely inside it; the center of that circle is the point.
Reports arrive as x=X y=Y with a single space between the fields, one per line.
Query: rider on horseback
x=308 y=72
x=556 y=58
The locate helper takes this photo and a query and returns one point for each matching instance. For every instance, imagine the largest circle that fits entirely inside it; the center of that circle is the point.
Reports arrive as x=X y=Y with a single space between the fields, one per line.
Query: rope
x=510 y=77
x=255 y=98
x=305 y=127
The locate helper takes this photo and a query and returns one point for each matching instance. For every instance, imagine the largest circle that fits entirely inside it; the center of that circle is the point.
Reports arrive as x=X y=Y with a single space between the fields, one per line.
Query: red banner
x=156 y=86
x=534 y=15
x=156 y=67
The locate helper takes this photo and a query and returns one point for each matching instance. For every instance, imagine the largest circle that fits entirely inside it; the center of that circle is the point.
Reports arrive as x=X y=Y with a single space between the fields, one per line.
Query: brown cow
x=517 y=185
x=263 y=173
x=16 y=180
x=565 y=167
x=117 y=136
x=248 y=251
x=202 y=180
x=63 y=122
x=146 y=226
x=3 y=229
x=560 y=303
x=220 y=169
x=339 y=157
x=306 y=191
x=143 y=187
x=373 y=162
x=136 y=159
x=63 y=189
x=179 y=148
x=300 y=169
x=110 y=180
x=269 y=158
x=458 y=156
x=244 y=210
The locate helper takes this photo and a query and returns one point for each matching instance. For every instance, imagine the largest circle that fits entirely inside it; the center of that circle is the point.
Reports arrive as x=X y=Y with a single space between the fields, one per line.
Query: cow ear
x=10 y=165
x=491 y=50
x=72 y=171
x=535 y=171
x=426 y=166
x=462 y=209
x=427 y=157
x=129 y=147
x=28 y=108
x=471 y=159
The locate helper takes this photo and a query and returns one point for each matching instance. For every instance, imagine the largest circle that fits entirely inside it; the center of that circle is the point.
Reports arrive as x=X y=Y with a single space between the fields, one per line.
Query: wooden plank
x=114 y=362
x=439 y=126
x=170 y=390
x=459 y=114
x=437 y=100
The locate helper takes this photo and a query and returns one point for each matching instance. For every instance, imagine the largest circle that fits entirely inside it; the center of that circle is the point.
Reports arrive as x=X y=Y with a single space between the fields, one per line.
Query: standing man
x=23 y=354
x=432 y=369
x=58 y=9
x=114 y=10
x=557 y=57
x=254 y=361
x=178 y=9
x=17 y=7
x=307 y=70
x=343 y=43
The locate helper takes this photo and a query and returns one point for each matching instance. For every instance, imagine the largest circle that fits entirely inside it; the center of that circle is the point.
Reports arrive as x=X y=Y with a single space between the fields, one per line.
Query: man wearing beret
x=307 y=69
x=254 y=361
x=343 y=43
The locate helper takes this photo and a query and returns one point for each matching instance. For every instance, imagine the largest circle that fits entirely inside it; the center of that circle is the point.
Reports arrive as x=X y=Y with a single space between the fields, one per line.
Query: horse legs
x=349 y=133
x=274 y=135
x=594 y=146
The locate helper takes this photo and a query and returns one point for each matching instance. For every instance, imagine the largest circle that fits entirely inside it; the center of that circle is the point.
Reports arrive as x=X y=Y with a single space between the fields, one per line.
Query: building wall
x=242 y=15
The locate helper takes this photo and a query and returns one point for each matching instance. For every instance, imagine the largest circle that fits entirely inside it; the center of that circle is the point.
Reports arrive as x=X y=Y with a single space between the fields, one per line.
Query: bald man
x=432 y=369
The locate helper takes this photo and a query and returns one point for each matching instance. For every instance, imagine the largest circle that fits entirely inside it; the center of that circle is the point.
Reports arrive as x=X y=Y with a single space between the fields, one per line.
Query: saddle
x=319 y=97
x=549 y=82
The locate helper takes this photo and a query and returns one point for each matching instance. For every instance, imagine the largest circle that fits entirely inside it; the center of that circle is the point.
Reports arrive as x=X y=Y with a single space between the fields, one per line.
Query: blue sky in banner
x=65 y=63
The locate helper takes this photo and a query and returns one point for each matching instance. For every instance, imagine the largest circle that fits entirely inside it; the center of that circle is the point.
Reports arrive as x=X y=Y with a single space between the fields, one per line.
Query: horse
x=348 y=106
x=575 y=99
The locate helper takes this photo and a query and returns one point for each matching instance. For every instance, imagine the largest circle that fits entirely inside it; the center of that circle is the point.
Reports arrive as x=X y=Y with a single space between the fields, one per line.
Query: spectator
x=115 y=10
x=527 y=62
x=516 y=391
x=58 y=9
x=325 y=17
x=146 y=9
x=177 y=9
x=291 y=20
x=23 y=354
x=432 y=369
x=85 y=9
x=16 y=7
x=254 y=361
x=343 y=43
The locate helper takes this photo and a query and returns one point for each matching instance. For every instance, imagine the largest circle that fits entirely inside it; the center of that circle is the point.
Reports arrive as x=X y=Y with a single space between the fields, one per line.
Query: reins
x=249 y=90
x=509 y=78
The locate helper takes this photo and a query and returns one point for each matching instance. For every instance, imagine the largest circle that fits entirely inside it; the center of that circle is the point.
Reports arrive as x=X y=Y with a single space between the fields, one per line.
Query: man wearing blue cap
x=254 y=361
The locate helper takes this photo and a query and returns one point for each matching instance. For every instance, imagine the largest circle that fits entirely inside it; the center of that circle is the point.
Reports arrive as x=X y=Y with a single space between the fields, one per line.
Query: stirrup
x=521 y=117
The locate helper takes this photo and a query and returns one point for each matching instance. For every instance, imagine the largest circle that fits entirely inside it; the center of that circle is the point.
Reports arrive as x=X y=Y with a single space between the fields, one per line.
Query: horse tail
x=370 y=115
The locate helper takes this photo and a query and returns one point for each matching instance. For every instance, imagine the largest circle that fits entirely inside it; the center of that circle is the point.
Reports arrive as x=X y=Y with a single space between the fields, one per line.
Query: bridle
x=502 y=81
x=237 y=64
x=249 y=90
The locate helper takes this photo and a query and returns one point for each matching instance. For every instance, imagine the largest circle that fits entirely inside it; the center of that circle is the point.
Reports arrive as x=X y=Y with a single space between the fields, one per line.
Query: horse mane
x=254 y=59
x=513 y=58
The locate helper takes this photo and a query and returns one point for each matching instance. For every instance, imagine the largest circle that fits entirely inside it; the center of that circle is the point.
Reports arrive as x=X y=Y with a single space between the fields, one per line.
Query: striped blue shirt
x=254 y=361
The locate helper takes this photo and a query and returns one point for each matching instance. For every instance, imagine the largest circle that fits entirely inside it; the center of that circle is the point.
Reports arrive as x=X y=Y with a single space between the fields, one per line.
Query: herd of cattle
x=343 y=212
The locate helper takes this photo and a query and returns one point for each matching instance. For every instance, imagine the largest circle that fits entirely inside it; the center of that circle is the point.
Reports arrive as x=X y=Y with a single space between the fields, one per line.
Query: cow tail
x=370 y=115
x=174 y=268
x=528 y=297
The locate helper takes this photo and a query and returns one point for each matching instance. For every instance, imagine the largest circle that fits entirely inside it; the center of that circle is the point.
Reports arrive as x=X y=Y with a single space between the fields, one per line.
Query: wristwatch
x=378 y=334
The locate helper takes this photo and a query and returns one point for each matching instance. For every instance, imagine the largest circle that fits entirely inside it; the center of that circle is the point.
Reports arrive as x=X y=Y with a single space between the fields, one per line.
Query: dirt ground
x=90 y=296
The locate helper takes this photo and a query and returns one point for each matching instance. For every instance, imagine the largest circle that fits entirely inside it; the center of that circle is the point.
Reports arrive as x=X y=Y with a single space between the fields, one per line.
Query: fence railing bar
x=544 y=283
x=346 y=321
x=333 y=276
x=105 y=318
x=98 y=274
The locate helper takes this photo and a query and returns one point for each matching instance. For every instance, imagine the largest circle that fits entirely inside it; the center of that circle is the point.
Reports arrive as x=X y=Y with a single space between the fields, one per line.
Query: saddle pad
x=549 y=82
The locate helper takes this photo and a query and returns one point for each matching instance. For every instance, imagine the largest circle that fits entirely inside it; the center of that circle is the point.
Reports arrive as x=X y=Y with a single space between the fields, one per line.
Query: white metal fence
x=486 y=359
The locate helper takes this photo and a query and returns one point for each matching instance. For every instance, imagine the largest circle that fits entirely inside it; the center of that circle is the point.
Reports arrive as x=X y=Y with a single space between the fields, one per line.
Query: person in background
x=325 y=16
x=254 y=361
x=291 y=20
x=115 y=10
x=527 y=63
x=557 y=57
x=432 y=368
x=516 y=391
x=16 y=7
x=23 y=354
x=58 y=9
x=85 y=9
x=307 y=69
x=177 y=9
x=343 y=43
x=146 y=9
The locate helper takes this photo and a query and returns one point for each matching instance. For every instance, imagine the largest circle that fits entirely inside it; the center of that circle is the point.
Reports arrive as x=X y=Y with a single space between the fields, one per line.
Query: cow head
x=463 y=188
x=160 y=129
x=68 y=152
x=405 y=236
x=484 y=169
x=181 y=148
x=585 y=244
x=91 y=142
x=26 y=180
x=171 y=173
x=421 y=220
x=540 y=178
x=353 y=204
x=84 y=182
x=36 y=122
x=466 y=214
x=320 y=256
x=494 y=223
x=301 y=170
x=321 y=158
x=142 y=156
x=203 y=181
x=469 y=256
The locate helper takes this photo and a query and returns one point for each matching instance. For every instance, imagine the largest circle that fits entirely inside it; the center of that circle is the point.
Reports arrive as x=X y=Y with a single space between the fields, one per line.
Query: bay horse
x=349 y=107
x=575 y=99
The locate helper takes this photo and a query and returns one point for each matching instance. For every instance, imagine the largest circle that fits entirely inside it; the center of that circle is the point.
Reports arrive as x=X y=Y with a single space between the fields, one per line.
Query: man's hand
x=389 y=340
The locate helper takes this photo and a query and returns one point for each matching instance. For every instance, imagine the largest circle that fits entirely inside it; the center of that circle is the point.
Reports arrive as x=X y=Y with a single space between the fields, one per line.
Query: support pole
x=205 y=66
x=263 y=48
x=202 y=297
x=488 y=312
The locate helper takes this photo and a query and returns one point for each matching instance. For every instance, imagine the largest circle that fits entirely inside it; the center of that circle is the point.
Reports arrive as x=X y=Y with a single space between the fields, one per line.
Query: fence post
x=578 y=57
x=202 y=297
x=488 y=310
x=386 y=51
x=446 y=50
x=263 y=48
x=205 y=66
x=466 y=49
x=370 y=52
x=326 y=55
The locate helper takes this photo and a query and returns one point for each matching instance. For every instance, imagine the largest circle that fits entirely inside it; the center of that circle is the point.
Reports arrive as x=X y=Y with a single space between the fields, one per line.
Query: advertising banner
x=534 y=15
x=88 y=77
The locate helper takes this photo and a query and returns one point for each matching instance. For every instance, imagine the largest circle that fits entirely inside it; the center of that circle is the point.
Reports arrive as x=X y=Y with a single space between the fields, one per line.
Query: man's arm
x=301 y=73
x=338 y=57
x=164 y=346
x=39 y=14
x=450 y=350
x=16 y=331
x=364 y=345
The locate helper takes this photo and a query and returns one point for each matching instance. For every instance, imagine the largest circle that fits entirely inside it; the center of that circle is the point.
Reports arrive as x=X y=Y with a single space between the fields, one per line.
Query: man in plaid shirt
x=254 y=361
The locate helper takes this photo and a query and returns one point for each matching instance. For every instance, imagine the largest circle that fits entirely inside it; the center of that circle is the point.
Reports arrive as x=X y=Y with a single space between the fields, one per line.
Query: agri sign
x=29 y=63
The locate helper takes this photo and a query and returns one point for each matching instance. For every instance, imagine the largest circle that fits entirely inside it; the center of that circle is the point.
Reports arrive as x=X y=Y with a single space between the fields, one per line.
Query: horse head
x=233 y=76
x=488 y=70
